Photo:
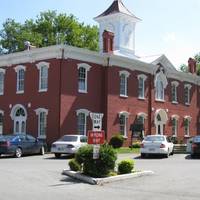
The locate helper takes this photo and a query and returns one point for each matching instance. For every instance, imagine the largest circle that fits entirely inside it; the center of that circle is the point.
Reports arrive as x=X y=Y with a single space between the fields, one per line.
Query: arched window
x=187 y=88
x=187 y=121
x=2 y=74
x=20 y=70
x=1 y=121
x=174 y=127
x=42 y=122
x=124 y=83
x=43 y=76
x=141 y=86
x=82 y=121
x=83 y=69
x=160 y=84
x=159 y=90
x=174 y=86
x=123 y=119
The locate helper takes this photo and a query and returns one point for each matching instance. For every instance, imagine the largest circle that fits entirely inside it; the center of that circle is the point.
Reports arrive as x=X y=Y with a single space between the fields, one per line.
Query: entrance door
x=20 y=121
x=160 y=121
x=19 y=125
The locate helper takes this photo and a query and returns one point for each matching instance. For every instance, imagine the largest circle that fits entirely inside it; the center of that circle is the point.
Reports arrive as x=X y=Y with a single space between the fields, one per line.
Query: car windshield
x=154 y=138
x=196 y=139
x=69 y=138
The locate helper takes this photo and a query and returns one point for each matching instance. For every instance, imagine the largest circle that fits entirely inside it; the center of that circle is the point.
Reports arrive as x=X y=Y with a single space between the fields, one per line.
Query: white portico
x=119 y=20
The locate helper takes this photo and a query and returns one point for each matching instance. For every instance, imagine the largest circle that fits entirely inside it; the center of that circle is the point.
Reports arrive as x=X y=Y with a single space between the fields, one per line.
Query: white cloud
x=169 y=37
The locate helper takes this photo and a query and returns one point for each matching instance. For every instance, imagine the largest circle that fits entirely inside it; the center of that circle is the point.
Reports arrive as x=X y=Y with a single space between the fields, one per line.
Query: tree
x=49 y=28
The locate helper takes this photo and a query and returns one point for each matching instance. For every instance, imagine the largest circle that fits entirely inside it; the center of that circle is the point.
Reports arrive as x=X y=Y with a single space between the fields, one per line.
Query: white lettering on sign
x=96 y=121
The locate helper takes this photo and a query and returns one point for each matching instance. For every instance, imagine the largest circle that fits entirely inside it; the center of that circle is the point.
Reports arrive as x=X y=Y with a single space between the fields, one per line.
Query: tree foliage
x=49 y=28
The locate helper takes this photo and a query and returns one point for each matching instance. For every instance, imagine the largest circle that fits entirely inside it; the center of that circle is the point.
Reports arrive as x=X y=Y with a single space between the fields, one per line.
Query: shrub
x=100 y=167
x=74 y=165
x=125 y=166
x=136 y=145
x=116 y=141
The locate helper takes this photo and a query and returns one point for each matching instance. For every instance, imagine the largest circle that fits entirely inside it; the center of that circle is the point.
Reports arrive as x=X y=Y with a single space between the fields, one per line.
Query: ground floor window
x=81 y=124
x=174 y=126
x=42 y=122
x=186 y=127
x=1 y=123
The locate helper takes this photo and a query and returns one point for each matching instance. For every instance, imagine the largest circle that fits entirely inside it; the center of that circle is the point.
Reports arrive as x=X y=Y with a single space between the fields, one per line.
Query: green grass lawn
x=128 y=150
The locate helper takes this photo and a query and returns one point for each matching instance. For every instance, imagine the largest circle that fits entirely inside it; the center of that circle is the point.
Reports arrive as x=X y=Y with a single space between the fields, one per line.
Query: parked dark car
x=20 y=144
x=195 y=151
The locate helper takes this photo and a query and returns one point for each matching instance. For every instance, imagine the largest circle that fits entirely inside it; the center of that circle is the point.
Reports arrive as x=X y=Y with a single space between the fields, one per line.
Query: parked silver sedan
x=157 y=144
x=68 y=144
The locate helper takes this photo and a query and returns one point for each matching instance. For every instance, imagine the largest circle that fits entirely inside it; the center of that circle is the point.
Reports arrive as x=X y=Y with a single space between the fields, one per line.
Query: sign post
x=96 y=136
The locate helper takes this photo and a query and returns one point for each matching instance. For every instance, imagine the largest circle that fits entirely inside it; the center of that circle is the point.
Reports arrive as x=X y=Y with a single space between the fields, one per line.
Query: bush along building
x=50 y=91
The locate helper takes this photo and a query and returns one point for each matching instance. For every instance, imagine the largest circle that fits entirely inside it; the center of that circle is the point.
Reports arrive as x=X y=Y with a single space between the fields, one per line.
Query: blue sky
x=169 y=27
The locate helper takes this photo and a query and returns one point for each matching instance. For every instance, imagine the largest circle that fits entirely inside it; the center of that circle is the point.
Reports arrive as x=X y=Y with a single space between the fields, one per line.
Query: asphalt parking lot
x=39 y=177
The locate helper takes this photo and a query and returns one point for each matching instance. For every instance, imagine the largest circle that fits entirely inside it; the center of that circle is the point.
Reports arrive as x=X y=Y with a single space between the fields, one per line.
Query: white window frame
x=41 y=66
x=142 y=78
x=17 y=70
x=38 y=113
x=1 y=130
x=86 y=114
x=174 y=86
x=126 y=74
x=2 y=71
x=87 y=69
x=124 y=114
x=176 y=118
x=187 y=128
x=188 y=87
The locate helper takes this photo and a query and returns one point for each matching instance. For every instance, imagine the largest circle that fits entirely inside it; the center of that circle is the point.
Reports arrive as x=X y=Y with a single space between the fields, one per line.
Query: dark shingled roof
x=117 y=7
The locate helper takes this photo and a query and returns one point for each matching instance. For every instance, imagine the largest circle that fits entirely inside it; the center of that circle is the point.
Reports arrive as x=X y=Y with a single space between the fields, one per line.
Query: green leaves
x=49 y=28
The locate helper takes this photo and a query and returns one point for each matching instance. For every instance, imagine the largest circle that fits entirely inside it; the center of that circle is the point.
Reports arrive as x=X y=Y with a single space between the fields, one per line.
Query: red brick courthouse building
x=50 y=91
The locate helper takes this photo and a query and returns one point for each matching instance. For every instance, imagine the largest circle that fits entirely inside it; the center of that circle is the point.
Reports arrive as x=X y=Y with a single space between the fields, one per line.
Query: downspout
x=150 y=105
x=60 y=91
x=105 y=91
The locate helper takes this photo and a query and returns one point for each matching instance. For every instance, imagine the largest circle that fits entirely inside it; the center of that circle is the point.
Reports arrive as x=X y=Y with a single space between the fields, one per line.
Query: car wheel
x=142 y=155
x=18 y=153
x=167 y=155
x=42 y=151
x=57 y=155
x=193 y=156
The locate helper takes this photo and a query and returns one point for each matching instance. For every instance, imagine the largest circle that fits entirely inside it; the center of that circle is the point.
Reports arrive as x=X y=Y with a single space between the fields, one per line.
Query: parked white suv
x=157 y=144
x=68 y=144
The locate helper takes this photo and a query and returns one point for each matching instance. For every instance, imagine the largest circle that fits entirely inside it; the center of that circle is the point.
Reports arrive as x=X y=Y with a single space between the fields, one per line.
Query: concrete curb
x=100 y=181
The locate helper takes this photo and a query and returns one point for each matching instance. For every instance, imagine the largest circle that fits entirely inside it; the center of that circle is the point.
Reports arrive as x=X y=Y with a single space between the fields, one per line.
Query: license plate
x=60 y=148
x=151 y=149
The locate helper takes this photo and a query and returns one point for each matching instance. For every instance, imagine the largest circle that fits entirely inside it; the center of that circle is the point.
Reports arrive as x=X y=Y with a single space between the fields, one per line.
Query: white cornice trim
x=84 y=55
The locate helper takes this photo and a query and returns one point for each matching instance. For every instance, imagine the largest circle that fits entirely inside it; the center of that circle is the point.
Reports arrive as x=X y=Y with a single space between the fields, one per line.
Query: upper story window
x=123 y=119
x=20 y=70
x=2 y=74
x=160 y=84
x=124 y=83
x=83 y=69
x=141 y=86
x=43 y=76
x=42 y=122
x=174 y=87
x=187 y=88
x=82 y=115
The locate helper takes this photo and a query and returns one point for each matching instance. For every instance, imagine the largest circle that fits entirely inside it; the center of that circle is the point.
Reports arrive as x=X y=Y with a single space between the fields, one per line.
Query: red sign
x=96 y=137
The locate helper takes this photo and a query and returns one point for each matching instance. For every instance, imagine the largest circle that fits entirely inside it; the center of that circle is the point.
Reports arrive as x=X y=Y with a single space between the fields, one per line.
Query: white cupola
x=120 y=21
